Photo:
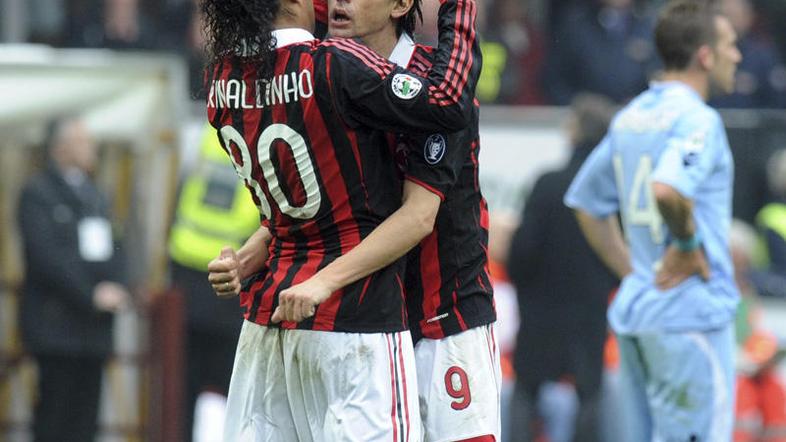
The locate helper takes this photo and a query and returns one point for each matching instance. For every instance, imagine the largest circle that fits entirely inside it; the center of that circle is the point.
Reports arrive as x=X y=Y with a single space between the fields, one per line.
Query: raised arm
x=372 y=91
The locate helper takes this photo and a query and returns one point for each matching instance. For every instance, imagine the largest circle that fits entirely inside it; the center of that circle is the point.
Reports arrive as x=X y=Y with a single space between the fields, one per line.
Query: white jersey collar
x=402 y=53
x=288 y=36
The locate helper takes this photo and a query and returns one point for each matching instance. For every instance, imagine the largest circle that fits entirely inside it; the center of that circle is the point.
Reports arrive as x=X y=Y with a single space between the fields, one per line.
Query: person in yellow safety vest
x=760 y=407
x=771 y=219
x=213 y=210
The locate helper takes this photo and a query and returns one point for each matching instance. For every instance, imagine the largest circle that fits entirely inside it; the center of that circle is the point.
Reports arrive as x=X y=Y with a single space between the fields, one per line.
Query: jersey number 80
x=303 y=162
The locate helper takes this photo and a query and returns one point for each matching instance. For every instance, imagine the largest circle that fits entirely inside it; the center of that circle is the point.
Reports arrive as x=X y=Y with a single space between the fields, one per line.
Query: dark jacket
x=57 y=312
x=562 y=286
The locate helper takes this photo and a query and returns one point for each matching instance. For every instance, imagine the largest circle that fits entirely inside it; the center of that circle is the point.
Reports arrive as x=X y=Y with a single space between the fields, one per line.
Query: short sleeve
x=594 y=189
x=692 y=153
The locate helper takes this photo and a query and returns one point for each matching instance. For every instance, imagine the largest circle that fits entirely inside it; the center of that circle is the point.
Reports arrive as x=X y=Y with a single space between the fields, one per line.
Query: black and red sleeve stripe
x=372 y=91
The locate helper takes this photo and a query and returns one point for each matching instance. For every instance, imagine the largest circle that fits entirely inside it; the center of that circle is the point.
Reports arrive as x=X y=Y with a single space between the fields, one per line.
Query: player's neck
x=287 y=21
x=382 y=43
x=697 y=81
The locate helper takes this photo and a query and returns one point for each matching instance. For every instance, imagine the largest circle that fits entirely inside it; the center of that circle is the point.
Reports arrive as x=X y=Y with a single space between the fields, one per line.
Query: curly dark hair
x=408 y=22
x=241 y=29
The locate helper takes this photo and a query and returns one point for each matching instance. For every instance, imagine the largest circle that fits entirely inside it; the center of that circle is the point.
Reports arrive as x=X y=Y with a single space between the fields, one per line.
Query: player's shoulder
x=422 y=58
x=663 y=111
x=217 y=69
x=229 y=67
x=691 y=107
x=700 y=116
x=352 y=52
x=348 y=48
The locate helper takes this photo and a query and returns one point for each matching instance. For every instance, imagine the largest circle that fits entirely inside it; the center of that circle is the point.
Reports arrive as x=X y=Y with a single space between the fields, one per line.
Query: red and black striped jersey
x=447 y=279
x=310 y=144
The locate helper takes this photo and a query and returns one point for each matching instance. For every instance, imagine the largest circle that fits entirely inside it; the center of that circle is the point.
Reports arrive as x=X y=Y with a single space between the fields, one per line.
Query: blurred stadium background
x=132 y=69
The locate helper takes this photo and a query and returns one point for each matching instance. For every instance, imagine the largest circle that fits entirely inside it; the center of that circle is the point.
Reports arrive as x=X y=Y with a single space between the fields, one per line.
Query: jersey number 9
x=457 y=386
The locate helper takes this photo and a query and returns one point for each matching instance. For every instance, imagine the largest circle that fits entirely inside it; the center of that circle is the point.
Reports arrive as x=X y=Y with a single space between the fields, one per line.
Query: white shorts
x=257 y=405
x=459 y=380
x=352 y=386
x=301 y=385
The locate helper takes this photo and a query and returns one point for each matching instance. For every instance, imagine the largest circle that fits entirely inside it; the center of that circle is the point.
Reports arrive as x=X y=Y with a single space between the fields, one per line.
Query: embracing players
x=301 y=121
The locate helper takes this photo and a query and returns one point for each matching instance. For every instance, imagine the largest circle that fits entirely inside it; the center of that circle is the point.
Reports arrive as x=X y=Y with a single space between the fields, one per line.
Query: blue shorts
x=678 y=387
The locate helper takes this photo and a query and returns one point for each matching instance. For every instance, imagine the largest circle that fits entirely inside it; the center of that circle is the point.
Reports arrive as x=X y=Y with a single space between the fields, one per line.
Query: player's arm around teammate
x=457 y=373
x=358 y=326
x=399 y=233
x=406 y=227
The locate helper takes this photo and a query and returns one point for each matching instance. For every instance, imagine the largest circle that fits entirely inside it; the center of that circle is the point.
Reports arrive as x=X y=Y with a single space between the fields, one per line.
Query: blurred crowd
x=535 y=51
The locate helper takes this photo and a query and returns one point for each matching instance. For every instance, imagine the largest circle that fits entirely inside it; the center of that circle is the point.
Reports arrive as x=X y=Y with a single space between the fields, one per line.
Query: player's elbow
x=424 y=218
x=423 y=222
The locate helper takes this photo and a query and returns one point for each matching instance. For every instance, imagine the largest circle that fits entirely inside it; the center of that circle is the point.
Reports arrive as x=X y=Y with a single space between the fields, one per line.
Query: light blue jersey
x=668 y=135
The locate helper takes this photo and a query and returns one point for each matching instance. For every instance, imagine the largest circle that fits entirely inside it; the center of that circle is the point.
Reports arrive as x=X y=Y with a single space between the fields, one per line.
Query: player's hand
x=300 y=301
x=224 y=273
x=110 y=297
x=677 y=266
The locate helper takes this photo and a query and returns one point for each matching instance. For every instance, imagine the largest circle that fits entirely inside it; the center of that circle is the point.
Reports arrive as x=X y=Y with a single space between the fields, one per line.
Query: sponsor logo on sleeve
x=693 y=147
x=406 y=86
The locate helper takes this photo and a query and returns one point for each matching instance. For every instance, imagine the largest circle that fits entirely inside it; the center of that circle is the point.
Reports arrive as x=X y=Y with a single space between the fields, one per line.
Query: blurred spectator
x=761 y=76
x=213 y=210
x=113 y=24
x=771 y=219
x=175 y=22
x=512 y=56
x=183 y=32
x=71 y=286
x=557 y=10
x=774 y=12
x=760 y=410
x=601 y=46
x=562 y=287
